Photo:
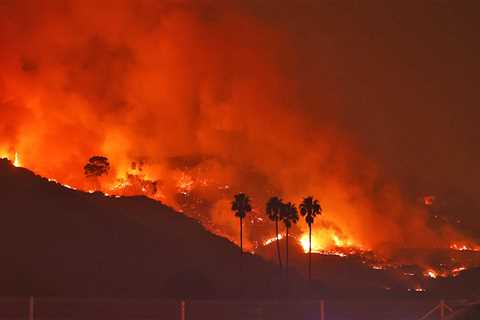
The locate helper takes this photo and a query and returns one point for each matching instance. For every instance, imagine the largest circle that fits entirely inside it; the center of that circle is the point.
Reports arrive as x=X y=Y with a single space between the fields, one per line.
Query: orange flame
x=324 y=240
x=464 y=247
x=15 y=159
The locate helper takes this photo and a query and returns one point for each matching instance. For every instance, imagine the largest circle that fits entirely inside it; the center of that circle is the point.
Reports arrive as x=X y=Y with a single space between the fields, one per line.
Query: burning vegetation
x=188 y=105
x=326 y=238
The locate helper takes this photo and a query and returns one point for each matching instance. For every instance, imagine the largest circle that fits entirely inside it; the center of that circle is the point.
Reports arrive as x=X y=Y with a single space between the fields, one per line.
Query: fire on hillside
x=191 y=195
x=190 y=103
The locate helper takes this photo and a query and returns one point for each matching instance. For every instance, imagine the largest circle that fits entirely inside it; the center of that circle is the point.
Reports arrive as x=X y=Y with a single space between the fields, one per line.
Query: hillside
x=362 y=274
x=55 y=241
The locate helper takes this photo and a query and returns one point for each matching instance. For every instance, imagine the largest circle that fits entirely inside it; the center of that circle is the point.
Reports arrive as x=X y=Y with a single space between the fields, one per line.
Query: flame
x=273 y=239
x=15 y=159
x=185 y=183
x=456 y=271
x=464 y=247
x=305 y=242
x=324 y=240
x=418 y=288
x=428 y=200
x=444 y=273
x=431 y=273
x=378 y=267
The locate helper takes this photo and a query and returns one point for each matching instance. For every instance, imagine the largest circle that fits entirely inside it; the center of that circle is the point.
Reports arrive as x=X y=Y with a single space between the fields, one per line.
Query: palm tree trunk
x=309 y=252
x=241 y=240
x=286 y=257
x=278 y=245
x=241 y=259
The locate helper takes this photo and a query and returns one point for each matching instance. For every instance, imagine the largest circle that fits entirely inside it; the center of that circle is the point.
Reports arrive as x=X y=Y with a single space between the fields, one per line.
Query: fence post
x=182 y=310
x=31 y=307
x=442 y=309
x=322 y=309
x=259 y=312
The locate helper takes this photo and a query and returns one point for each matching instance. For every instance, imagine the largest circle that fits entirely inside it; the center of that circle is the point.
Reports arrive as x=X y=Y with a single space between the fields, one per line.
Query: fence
x=146 y=309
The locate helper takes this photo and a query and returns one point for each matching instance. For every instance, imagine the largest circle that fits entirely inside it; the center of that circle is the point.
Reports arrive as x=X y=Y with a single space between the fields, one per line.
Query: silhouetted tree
x=96 y=166
x=310 y=208
x=289 y=215
x=274 y=208
x=241 y=206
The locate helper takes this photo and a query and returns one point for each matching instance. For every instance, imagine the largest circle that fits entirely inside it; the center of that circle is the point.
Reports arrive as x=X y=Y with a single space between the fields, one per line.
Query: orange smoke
x=200 y=94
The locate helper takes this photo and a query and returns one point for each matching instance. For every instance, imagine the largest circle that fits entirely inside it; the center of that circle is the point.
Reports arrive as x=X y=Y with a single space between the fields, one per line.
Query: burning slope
x=191 y=102
x=61 y=242
x=429 y=263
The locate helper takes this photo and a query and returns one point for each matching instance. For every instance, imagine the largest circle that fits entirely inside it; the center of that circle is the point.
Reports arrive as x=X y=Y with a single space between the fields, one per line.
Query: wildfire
x=428 y=200
x=330 y=243
x=417 y=289
x=464 y=247
x=456 y=271
x=180 y=120
x=15 y=159
x=185 y=183
x=323 y=241
x=431 y=273
x=270 y=240
x=378 y=267
x=120 y=185
x=327 y=241
x=304 y=241
x=445 y=273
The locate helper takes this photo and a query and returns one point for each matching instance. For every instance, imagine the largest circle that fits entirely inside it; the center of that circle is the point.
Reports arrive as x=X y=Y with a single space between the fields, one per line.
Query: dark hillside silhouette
x=60 y=242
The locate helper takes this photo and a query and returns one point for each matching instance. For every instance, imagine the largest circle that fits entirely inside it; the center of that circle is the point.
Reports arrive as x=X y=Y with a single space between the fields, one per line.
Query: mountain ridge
x=59 y=241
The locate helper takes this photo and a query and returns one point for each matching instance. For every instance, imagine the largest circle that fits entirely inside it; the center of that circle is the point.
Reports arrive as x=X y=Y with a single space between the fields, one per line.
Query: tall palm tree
x=289 y=215
x=310 y=208
x=274 y=209
x=241 y=206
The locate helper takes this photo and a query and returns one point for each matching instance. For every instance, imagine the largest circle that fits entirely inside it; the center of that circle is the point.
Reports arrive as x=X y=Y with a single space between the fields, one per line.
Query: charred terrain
x=60 y=242
x=56 y=241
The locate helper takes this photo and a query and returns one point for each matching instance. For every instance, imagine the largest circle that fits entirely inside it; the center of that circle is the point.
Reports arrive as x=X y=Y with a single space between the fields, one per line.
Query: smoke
x=212 y=90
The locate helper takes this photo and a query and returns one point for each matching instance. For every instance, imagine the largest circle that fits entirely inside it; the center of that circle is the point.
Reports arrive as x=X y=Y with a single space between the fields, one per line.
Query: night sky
x=400 y=77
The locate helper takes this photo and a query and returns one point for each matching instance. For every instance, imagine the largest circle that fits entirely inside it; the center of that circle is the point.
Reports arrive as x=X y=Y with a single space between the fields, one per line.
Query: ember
x=464 y=247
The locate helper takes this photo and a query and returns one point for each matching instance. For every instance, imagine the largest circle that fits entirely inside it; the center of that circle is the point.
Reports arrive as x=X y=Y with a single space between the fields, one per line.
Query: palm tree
x=289 y=215
x=310 y=208
x=274 y=209
x=241 y=206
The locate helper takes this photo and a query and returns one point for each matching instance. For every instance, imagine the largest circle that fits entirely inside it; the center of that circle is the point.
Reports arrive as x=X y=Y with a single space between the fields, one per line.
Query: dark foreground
x=56 y=308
